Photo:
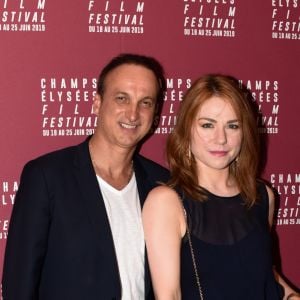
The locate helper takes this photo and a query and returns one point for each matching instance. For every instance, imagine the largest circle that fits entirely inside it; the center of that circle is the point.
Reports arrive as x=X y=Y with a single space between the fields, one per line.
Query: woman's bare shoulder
x=162 y=195
x=163 y=208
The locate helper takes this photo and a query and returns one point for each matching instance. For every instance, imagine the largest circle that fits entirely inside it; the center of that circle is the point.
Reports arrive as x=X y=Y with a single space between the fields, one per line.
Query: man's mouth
x=128 y=126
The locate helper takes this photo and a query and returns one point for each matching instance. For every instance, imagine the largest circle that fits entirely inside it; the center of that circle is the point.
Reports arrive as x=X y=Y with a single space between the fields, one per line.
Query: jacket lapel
x=95 y=207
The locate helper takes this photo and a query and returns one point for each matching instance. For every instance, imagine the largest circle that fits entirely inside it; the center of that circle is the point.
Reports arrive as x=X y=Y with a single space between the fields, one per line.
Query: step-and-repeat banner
x=51 y=53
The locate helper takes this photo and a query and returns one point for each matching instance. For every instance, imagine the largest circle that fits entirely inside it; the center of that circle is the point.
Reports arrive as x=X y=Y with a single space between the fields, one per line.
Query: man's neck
x=115 y=166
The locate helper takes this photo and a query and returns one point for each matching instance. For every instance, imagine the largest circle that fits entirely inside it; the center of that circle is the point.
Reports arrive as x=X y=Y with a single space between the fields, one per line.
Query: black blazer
x=59 y=243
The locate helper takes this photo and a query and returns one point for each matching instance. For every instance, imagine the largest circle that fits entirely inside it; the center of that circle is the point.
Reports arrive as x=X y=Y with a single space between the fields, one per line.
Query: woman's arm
x=289 y=293
x=164 y=226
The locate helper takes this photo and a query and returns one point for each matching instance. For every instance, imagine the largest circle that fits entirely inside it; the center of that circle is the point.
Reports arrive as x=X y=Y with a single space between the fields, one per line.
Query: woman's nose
x=220 y=136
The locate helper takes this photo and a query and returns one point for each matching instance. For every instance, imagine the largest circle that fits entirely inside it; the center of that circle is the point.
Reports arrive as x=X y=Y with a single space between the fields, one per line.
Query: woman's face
x=216 y=135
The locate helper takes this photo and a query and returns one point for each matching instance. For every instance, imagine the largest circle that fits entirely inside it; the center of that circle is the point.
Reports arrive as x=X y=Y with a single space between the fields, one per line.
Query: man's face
x=126 y=109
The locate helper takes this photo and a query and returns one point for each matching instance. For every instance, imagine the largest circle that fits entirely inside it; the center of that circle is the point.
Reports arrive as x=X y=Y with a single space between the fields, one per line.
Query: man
x=76 y=231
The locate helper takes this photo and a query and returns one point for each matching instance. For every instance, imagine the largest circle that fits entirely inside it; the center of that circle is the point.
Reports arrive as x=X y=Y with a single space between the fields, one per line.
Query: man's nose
x=132 y=111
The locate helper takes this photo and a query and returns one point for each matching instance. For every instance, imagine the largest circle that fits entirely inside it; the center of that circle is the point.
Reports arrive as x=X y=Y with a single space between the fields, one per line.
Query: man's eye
x=121 y=98
x=147 y=103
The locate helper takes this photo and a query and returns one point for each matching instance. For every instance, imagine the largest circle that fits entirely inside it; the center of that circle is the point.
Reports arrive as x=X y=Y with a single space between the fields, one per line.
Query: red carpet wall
x=51 y=53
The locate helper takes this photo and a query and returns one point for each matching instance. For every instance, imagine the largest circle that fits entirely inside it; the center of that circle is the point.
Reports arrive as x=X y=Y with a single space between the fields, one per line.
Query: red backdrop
x=52 y=52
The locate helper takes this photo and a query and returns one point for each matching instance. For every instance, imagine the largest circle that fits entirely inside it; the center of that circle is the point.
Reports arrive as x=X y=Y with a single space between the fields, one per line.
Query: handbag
x=192 y=251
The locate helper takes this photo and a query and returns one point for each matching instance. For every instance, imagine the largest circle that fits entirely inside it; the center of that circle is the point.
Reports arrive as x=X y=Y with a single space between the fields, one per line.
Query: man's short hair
x=146 y=61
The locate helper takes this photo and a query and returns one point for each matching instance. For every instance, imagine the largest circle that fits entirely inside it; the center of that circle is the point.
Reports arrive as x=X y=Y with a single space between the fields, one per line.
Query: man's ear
x=96 y=104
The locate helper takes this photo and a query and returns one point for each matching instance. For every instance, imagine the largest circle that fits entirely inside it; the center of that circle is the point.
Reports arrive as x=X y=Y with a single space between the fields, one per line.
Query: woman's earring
x=189 y=154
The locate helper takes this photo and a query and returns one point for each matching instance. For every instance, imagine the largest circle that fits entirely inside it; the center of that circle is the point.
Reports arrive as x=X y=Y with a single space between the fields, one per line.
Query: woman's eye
x=207 y=125
x=234 y=126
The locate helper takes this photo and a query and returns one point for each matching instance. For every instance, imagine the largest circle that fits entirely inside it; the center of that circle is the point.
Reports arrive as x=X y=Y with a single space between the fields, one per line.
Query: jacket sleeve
x=27 y=236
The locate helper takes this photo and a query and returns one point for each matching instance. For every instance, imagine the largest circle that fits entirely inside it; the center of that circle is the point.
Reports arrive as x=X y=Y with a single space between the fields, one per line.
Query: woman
x=214 y=160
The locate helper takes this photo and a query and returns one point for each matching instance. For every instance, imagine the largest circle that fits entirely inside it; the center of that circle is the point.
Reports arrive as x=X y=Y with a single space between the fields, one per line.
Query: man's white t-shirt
x=124 y=213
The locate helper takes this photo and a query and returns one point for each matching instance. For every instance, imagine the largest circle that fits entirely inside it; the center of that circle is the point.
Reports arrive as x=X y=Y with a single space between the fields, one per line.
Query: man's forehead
x=131 y=74
x=130 y=67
